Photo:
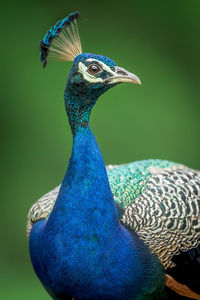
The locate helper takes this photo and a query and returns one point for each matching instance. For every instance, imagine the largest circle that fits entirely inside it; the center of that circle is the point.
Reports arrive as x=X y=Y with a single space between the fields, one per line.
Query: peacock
x=129 y=231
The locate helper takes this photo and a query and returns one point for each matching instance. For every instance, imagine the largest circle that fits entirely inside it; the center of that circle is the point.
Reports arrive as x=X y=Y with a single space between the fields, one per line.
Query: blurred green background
x=157 y=40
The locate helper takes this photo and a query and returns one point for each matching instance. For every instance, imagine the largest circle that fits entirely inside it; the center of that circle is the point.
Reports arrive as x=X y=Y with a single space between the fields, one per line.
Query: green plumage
x=129 y=181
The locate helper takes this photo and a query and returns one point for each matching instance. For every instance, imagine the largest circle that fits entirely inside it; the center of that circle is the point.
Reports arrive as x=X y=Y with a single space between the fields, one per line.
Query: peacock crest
x=62 y=40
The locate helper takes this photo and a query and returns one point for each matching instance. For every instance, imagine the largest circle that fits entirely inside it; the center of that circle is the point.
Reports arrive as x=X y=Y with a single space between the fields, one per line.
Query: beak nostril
x=121 y=75
x=121 y=72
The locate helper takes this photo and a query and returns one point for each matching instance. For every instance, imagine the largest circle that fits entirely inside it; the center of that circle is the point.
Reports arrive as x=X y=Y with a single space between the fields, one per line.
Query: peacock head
x=90 y=76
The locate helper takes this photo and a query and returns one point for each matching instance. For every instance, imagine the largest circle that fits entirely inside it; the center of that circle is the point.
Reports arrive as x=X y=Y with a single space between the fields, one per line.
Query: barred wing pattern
x=158 y=199
x=167 y=215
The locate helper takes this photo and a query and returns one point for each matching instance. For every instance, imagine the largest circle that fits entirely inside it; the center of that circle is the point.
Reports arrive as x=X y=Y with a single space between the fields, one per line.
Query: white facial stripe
x=90 y=78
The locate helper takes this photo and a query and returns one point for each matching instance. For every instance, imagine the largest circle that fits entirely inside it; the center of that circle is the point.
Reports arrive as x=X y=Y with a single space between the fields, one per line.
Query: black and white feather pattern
x=167 y=215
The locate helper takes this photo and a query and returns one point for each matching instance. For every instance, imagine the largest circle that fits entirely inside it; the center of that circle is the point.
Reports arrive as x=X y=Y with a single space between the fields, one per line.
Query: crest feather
x=62 y=40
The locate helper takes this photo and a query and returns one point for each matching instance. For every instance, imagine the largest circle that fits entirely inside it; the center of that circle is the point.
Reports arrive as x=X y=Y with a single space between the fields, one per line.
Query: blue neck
x=85 y=192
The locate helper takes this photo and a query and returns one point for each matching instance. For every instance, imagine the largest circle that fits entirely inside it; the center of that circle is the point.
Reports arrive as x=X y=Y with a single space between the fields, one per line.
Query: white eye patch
x=90 y=78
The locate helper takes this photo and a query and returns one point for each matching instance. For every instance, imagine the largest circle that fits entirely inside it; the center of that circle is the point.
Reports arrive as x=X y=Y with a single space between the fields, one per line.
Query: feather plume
x=62 y=40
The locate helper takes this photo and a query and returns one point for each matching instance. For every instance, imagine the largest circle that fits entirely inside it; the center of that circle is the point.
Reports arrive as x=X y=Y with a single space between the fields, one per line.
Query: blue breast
x=82 y=250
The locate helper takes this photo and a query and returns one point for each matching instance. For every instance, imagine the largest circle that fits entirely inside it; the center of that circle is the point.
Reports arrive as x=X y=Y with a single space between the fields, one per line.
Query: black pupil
x=94 y=69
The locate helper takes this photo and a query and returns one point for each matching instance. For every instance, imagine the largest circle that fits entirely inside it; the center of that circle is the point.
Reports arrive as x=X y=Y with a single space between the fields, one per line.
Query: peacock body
x=104 y=232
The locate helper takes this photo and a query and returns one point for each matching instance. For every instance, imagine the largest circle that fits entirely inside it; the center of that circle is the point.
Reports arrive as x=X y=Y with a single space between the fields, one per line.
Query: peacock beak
x=121 y=75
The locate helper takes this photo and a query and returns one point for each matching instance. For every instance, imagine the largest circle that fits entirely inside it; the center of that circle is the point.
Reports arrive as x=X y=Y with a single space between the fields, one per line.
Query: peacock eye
x=94 y=69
